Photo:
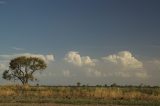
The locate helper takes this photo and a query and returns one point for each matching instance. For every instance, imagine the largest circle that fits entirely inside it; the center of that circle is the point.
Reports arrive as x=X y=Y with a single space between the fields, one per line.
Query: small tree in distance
x=22 y=68
x=78 y=84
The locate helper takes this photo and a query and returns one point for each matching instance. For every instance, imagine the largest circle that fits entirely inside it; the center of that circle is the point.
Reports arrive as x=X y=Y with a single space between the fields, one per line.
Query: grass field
x=47 y=104
x=60 y=96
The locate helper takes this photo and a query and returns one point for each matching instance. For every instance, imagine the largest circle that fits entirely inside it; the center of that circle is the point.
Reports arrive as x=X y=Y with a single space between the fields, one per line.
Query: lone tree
x=22 y=68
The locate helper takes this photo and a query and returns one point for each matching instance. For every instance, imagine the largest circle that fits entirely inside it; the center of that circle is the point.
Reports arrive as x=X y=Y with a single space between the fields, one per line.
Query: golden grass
x=82 y=92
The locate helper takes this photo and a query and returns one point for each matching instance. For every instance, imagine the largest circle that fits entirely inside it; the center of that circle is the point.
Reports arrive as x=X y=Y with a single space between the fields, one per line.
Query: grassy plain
x=61 y=96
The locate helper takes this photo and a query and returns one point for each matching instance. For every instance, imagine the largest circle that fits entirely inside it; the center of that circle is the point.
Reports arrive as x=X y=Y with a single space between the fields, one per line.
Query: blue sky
x=94 y=28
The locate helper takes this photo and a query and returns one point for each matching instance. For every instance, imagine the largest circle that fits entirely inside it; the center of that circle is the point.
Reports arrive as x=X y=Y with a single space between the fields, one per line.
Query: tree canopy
x=22 y=68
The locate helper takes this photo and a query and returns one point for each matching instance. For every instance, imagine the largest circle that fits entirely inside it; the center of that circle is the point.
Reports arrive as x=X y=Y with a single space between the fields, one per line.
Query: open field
x=48 y=104
x=86 y=96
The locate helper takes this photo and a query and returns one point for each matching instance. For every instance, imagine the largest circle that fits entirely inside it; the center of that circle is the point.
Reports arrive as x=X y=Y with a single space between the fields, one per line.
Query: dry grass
x=82 y=92
x=47 y=104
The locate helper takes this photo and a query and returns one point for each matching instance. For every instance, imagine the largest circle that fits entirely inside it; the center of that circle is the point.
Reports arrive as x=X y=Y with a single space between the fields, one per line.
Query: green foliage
x=22 y=69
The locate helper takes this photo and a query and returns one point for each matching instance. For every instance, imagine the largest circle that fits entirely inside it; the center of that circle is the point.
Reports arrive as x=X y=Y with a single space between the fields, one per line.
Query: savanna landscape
x=79 y=52
x=79 y=95
x=22 y=69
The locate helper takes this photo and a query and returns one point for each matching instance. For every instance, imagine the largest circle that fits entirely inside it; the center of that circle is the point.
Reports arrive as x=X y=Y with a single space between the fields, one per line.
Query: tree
x=22 y=68
x=114 y=85
x=78 y=84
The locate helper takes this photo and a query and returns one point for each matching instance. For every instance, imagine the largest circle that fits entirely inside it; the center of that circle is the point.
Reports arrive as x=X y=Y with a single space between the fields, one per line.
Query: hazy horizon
x=88 y=41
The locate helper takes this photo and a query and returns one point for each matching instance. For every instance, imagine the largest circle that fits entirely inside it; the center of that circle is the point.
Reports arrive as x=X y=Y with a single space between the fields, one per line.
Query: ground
x=48 y=104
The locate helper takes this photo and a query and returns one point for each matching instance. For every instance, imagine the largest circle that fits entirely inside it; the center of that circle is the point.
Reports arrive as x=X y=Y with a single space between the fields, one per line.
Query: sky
x=88 y=41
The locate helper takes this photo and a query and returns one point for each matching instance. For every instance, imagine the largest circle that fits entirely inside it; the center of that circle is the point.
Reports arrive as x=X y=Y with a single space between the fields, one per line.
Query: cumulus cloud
x=122 y=65
x=76 y=59
x=50 y=58
x=124 y=59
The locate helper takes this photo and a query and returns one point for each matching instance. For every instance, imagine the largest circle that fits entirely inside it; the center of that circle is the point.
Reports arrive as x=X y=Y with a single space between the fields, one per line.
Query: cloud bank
x=125 y=65
x=121 y=67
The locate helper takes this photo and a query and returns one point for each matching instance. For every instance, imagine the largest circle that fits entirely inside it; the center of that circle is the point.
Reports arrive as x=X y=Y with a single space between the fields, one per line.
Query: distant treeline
x=105 y=85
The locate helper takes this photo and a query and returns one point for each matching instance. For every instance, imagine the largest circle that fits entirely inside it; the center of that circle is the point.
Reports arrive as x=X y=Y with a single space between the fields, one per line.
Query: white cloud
x=123 y=65
x=73 y=57
x=120 y=65
x=50 y=58
x=124 y=59
x=76 y=59
x=86 y=60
